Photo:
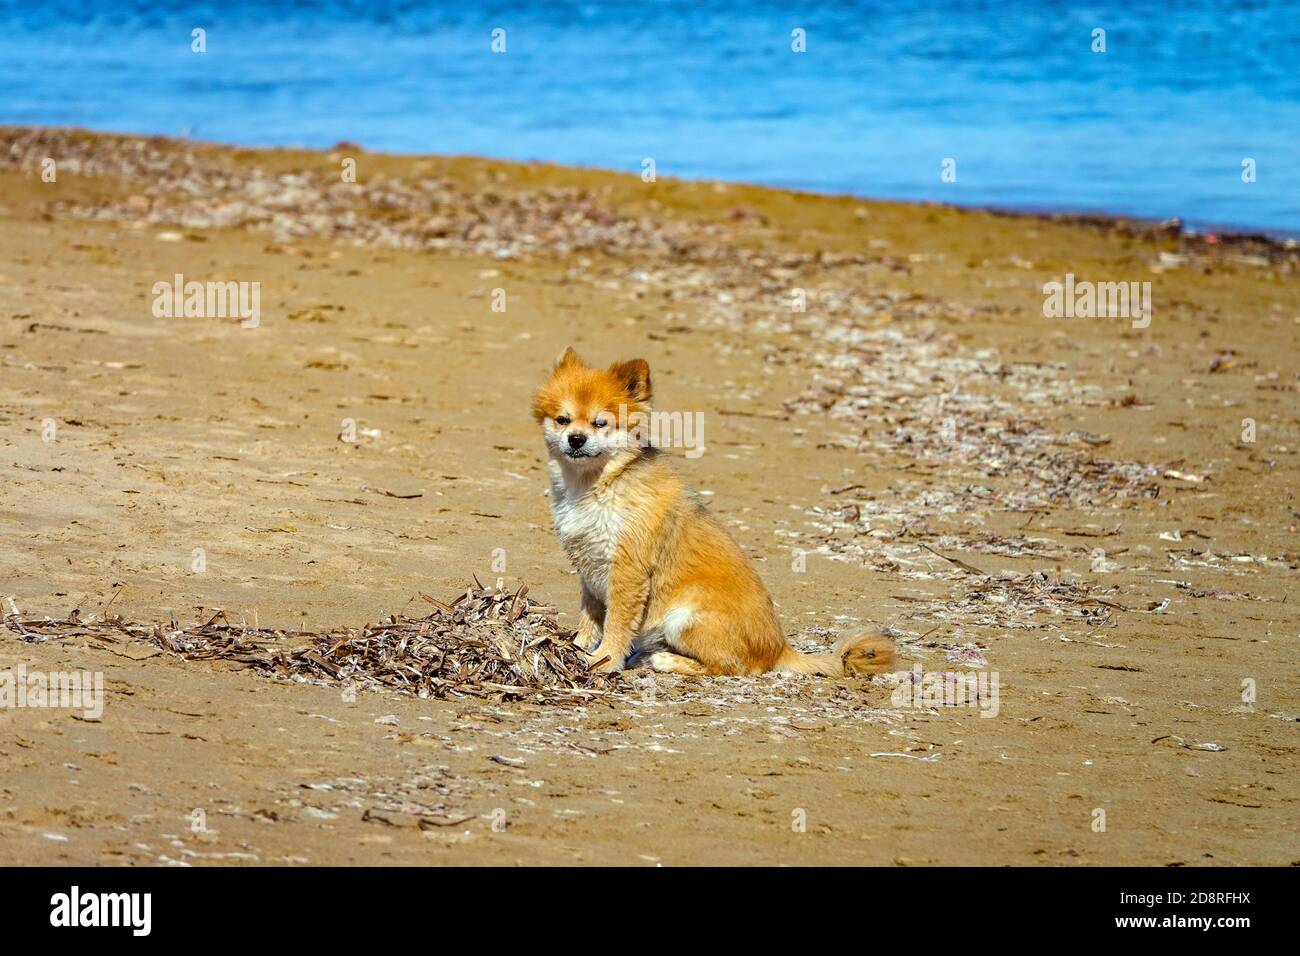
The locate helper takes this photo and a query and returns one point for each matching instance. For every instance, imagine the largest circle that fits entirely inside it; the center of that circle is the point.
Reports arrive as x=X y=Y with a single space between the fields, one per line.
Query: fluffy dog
x=661 y=578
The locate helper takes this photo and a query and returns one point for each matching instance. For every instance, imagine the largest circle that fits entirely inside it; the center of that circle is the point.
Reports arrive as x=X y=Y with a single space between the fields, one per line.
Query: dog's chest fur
x=588 y=522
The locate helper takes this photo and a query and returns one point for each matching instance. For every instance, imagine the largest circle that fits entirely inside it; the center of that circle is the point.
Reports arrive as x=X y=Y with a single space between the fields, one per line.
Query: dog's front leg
x=629 y=589
x=591 y=621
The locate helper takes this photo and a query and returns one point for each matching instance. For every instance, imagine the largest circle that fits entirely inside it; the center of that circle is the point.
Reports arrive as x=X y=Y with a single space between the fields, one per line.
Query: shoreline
x=1285 y=241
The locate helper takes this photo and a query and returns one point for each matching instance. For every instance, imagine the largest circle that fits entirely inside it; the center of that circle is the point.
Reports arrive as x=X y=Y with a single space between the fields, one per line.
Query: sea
x=1186 y=110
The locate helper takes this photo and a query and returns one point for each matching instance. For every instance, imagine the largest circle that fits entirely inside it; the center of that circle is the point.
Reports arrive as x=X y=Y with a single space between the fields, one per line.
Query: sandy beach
x=1101 y=514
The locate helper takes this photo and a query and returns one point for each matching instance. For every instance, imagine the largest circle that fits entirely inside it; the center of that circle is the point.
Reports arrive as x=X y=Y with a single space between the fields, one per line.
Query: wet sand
x=1067 y=503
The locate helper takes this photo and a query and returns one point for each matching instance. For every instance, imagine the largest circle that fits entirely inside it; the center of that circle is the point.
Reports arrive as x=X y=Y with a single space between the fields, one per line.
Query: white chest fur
x=588 y=525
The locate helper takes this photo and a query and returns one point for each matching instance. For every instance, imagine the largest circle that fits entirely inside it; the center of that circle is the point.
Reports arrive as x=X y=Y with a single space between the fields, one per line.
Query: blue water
x=1157 y=126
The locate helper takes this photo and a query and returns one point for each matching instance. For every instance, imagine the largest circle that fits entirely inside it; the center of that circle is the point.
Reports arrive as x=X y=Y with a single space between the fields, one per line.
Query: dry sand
x=921 y=406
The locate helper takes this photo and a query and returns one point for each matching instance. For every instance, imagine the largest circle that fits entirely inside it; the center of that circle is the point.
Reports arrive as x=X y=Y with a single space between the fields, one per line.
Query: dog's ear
x=567 y=359
x=634 y=377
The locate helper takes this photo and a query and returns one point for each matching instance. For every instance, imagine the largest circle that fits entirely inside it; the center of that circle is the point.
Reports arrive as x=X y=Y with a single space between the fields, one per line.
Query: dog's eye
x=600 y=423
x=562 y=420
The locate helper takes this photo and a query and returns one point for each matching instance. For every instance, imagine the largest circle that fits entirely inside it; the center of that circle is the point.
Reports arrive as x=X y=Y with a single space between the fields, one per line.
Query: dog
x=663 y=583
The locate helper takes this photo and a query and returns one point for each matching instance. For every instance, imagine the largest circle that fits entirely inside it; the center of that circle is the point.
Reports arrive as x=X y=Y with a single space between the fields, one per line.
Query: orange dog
x=661 y=578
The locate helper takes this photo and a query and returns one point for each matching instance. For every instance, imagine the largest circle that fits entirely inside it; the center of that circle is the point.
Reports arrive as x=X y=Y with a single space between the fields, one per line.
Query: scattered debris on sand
x=487 y=642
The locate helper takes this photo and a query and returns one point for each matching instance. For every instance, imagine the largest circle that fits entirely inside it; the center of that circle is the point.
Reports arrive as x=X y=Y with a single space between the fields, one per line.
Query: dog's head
x=588 y=415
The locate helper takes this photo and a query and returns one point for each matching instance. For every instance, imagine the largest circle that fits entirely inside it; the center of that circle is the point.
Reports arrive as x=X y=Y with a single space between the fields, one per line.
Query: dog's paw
x=587 y=642
x=608 y=665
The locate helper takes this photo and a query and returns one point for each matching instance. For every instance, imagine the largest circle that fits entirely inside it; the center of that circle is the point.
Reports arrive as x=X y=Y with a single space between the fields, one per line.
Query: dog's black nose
x=577 y=440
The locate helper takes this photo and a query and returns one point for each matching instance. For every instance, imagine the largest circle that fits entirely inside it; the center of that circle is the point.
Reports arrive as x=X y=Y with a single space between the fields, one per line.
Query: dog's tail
x=858 y=656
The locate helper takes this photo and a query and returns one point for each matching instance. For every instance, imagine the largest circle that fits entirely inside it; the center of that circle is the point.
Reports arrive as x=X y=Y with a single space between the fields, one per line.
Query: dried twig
x=957 y=561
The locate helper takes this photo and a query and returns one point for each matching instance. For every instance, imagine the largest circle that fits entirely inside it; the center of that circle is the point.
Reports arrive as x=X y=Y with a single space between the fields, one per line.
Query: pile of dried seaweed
x=487 y=642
